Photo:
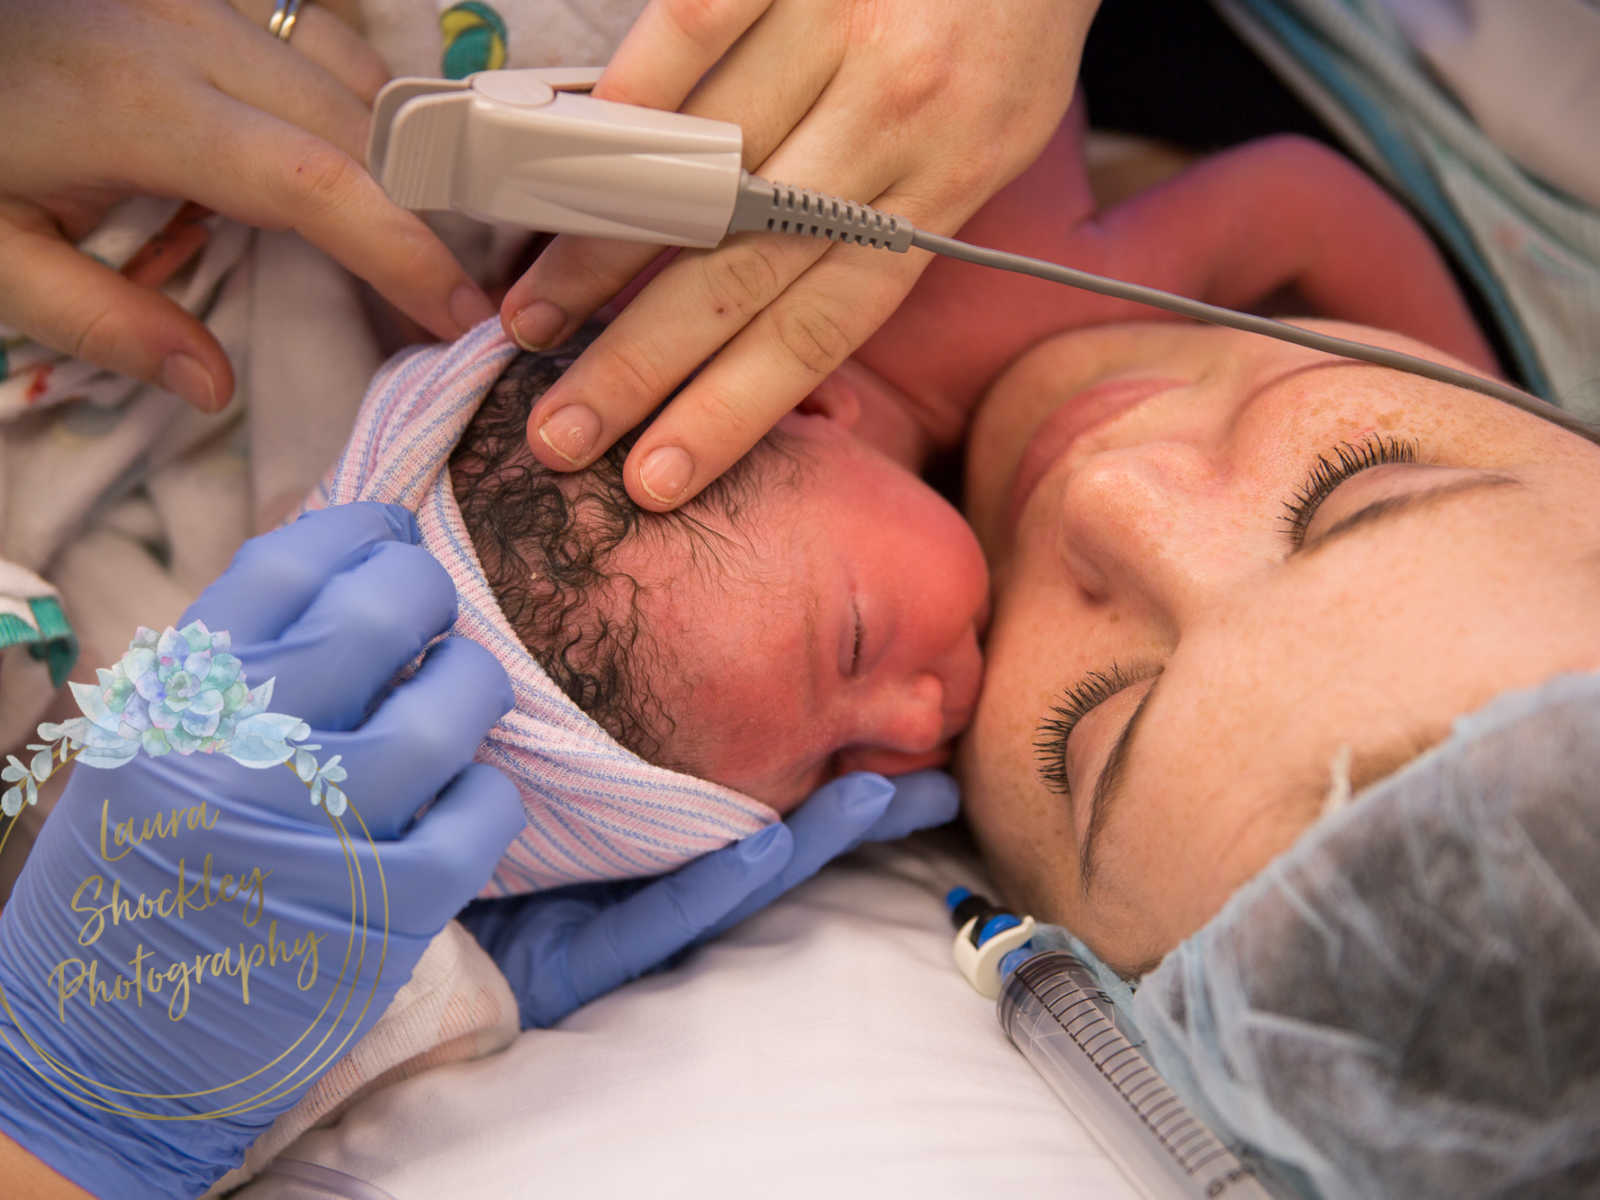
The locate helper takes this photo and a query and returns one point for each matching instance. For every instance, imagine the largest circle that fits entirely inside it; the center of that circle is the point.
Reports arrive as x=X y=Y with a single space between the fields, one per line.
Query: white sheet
x=825 y=1048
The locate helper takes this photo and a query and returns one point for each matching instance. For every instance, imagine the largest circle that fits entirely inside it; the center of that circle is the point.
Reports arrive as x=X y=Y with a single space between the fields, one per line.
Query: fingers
x=921 y=800
x=565 y=285
x=766 y=88
x=323 y=39
x=73 y=304
x=562 y=949
x=696 y=304
x=274 y=578
x=671 y=44
x=834 y=820
x=279 y=146
x=912 y=118
x=652 y=345
x=663 y=918
x=366 y=623
x=421 y=734
x=786 y=327
x=793 y=343
x=785 y=310
x=449 y=855
x=757 y=84
x=255 y=168
x=289 y=83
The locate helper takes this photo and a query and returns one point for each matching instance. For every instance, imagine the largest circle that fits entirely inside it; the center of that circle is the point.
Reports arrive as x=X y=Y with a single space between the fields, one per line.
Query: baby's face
x=831 y=627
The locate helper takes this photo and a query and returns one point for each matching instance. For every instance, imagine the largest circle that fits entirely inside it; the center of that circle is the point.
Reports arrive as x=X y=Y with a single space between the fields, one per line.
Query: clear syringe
x=1057 y=1015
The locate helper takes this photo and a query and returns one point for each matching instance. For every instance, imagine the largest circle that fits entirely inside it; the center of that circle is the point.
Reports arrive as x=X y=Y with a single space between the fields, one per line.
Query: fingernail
x=469 y=307
x=571 y=432
x=665 y=473
x=758 y=845
x=535 y=326
x=182 y=375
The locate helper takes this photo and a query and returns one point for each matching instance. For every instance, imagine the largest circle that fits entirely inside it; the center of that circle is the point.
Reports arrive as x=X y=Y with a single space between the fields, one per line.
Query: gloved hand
x=561 y=949
x=201 y=935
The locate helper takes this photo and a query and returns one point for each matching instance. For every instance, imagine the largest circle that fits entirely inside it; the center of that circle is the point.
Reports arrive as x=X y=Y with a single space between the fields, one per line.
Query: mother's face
x=1221 y=563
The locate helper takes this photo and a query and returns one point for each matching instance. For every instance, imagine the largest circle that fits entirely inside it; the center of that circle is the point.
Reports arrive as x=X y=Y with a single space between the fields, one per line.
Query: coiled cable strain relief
x=766 y=207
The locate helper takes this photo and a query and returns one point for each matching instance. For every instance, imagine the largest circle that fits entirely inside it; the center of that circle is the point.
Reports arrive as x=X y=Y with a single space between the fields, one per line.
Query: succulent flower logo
x=175 y=692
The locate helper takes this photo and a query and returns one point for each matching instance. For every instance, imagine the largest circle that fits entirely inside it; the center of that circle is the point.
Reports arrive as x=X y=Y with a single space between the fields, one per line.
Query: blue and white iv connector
x=990 y=941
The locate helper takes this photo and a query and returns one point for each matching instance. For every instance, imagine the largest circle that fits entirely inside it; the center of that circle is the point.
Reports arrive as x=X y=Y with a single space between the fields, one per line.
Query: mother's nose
x=1159 y=519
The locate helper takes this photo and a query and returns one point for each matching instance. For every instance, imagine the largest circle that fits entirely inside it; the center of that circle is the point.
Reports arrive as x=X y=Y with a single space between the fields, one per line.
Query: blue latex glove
x=561 y=949
x=331 y=607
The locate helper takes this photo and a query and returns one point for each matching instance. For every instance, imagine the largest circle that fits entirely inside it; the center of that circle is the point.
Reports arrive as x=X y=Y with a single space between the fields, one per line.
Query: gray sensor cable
x=779 y=208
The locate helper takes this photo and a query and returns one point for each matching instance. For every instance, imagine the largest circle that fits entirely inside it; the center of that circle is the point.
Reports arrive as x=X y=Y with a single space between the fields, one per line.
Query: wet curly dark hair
x=547 y=541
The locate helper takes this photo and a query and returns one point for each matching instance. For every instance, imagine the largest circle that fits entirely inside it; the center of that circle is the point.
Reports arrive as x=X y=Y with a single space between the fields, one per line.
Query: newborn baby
x=815 y=612
x=680 y=680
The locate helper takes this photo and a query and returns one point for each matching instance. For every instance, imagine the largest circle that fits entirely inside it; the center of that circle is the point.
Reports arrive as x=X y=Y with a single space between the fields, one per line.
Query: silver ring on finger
x=284 y=15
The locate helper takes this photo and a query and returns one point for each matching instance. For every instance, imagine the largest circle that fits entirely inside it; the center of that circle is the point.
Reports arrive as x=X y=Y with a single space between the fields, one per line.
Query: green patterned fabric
x=49 y=639
x=474 y=39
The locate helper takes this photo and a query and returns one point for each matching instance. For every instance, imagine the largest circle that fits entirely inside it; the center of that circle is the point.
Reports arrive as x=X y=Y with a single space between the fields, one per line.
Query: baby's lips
x=958 y=716
x=898 y=762
x=955 y=724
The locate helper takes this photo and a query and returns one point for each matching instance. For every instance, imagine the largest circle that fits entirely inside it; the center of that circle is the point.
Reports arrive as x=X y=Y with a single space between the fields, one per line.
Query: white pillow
x=825 y=1048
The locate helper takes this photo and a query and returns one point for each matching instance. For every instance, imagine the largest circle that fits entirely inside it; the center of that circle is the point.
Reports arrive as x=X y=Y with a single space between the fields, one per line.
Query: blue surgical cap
x=1407 y=1001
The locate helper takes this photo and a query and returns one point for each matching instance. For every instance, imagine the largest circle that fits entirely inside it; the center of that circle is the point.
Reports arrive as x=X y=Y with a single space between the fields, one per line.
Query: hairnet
x=1407 y=1002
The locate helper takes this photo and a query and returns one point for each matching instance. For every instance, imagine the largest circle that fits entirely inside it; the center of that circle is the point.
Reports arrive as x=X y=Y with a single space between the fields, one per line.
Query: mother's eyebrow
x=1106 y=789
x=1391 y=506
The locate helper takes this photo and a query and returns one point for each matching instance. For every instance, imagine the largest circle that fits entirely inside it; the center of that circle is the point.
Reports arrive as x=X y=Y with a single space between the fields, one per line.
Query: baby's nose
x=962 y=671
x=916 y=724
x=922 y=710
x=907 y=716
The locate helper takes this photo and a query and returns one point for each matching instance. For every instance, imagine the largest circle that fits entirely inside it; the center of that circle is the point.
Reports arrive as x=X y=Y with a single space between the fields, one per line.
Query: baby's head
x=813 y=612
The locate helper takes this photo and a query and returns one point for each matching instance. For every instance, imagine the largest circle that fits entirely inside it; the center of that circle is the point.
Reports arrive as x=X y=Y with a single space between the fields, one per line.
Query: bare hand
x=923 y=108
x=110 y=98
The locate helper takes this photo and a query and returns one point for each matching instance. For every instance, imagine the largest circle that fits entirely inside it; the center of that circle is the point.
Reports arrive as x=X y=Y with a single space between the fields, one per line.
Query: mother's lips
x=1073 y=417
